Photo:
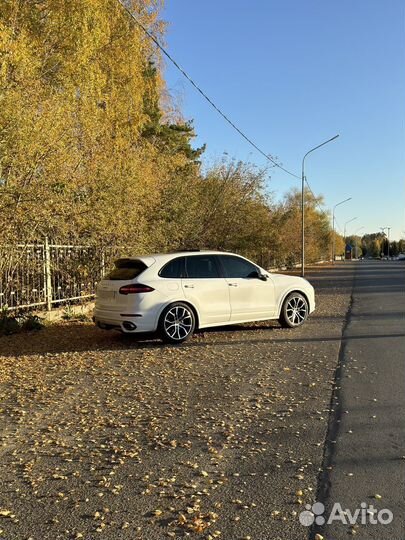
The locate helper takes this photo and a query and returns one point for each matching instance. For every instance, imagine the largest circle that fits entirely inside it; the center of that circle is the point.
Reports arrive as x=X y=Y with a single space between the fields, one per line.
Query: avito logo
x=364 y=515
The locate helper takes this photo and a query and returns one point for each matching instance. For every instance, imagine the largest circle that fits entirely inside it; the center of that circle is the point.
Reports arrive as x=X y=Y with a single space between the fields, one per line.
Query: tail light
x=135 y=288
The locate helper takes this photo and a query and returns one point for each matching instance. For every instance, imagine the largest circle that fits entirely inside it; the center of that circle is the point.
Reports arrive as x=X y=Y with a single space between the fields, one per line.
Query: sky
x=292 y=74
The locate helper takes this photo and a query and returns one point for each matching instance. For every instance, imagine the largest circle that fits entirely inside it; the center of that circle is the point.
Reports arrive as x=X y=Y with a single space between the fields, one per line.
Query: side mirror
x=258 y=275
x=263 y=277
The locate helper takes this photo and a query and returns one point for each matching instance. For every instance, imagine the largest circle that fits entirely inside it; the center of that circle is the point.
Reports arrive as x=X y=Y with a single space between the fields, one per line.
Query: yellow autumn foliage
x=93 y=150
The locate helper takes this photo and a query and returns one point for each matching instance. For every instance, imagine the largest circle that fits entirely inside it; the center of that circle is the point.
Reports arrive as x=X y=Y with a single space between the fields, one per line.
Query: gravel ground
x=103 y=436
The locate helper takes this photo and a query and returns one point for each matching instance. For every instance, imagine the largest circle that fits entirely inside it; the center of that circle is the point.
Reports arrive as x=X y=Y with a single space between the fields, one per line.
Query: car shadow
x=80 y=337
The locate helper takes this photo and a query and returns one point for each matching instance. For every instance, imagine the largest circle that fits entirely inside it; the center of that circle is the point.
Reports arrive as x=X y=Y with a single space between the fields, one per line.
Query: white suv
x=176 y=293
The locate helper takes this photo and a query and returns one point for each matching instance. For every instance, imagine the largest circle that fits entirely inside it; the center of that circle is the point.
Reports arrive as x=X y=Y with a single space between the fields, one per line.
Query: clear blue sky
x=292 y=73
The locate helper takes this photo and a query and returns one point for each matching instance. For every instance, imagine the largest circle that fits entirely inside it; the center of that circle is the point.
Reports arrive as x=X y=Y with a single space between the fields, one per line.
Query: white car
x=176 y=293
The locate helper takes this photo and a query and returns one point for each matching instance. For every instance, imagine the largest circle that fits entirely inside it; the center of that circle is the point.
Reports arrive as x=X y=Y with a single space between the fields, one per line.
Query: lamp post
x=344 y=233
x=356 y=246
x=303 y=202
x=333 y=227
x=389 y=230
x=347 y=223
x=388 y=238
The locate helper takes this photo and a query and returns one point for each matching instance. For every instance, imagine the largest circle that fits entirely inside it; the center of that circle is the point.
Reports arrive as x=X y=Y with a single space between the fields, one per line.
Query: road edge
x=335 y=414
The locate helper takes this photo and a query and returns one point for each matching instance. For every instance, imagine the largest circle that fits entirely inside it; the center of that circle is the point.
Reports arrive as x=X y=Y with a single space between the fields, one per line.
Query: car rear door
x=250 y=297
x=204 y=287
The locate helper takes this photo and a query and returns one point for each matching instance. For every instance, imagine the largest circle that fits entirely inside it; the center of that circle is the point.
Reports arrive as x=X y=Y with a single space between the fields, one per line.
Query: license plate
x=106 y=295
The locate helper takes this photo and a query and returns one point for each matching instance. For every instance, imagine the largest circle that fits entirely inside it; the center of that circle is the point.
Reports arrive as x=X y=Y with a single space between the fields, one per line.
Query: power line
x=313 y=195
x=209 y=100
x=338 y=226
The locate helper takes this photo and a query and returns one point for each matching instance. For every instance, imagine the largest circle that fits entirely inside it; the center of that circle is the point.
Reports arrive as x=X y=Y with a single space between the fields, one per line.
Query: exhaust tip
x=129 y=326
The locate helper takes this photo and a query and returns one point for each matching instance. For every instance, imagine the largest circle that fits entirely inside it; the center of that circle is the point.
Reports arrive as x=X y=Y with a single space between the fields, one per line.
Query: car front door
x=204 y=287
x=251 y=298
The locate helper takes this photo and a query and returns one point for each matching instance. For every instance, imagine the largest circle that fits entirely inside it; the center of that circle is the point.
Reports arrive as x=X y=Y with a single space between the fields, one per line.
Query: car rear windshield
x=126 y=269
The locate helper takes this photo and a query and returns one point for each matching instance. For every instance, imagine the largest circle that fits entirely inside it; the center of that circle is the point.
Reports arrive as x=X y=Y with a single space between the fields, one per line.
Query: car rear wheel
x=177 y=323
x=295 y=310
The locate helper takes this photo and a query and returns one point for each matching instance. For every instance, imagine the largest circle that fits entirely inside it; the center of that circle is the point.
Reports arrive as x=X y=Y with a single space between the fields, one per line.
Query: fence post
x=48 y=278
x=102 y=266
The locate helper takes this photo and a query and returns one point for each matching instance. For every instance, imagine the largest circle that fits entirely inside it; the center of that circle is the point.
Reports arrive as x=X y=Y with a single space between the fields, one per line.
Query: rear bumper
x=127 y=324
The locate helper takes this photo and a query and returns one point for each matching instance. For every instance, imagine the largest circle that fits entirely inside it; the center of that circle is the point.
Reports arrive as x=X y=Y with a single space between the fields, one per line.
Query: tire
x=177 y=323
x=295 y=310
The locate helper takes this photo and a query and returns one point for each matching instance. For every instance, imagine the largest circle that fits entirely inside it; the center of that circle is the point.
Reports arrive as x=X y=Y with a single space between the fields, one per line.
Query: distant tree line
x=376 y=245
x=93 y=149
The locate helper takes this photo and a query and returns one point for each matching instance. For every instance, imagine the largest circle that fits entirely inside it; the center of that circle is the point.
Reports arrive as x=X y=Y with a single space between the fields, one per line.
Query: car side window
x=201 y=266
x=235 y=267
x=173 y=269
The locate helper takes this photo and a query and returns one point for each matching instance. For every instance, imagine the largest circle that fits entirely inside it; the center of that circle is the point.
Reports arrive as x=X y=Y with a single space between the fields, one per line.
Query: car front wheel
x=177 y=323
x=295 y=310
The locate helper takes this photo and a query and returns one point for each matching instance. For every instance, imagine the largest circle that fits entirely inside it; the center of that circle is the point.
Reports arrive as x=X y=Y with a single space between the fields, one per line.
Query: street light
x=333 y=227
x=388 y=238
x=303 y=202
x=356 y=247
x=344 y=233
x=347 y=223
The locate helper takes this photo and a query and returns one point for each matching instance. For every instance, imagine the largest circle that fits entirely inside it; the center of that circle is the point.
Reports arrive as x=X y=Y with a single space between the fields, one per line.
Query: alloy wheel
x=296 y=310
x=178 y=323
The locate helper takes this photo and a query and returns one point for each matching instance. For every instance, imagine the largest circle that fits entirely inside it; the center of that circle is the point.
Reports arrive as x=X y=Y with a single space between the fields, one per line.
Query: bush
x=69 y=314
x=31 y=322
x=18 y=322
x=8 y=325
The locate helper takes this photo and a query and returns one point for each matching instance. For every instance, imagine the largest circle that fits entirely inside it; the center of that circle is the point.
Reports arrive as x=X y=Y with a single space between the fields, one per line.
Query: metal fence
x=44 y=275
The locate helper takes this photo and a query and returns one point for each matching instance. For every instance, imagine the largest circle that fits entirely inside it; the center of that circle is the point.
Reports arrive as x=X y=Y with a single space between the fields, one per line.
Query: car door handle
x=189 y=286
x=233 y=284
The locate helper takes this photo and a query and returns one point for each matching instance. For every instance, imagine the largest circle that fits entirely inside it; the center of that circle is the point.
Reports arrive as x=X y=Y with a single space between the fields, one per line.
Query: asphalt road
x=365 y=447
x=102 y=436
